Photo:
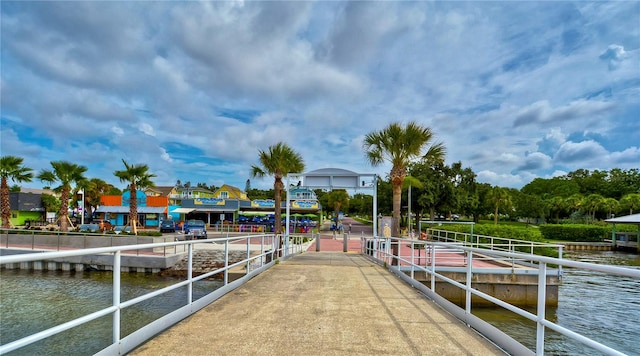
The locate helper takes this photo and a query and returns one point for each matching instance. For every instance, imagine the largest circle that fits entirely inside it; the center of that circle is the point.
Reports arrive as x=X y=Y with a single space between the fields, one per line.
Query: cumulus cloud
x=585 y=151
x=614 y=55
x=535 y=161
x=541 y=112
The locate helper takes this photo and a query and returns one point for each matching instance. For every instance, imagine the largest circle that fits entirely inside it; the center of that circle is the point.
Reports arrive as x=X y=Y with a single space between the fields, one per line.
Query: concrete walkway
x=321 y=304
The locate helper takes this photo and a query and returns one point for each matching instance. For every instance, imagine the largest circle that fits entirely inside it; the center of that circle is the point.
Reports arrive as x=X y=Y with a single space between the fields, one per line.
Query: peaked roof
x=234 y=192
x=629 y=219
x=162 y=190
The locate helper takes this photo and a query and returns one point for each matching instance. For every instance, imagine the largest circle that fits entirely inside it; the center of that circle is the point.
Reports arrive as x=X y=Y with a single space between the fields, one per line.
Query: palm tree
x=498 y=197
x=11 y=168
x=66 y=173
x=400 y=145
x=278 y=161
x=138 y=177
x=611 y=205
x=630 y=201
x=593 y=202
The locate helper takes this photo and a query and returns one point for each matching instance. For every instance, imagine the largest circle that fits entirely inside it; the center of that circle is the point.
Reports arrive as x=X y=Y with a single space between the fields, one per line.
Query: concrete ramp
x=322 y=303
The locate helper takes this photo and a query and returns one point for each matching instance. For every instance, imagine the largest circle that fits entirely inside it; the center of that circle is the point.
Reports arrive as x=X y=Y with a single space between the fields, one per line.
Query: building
x=26 y=207
x=151 y=209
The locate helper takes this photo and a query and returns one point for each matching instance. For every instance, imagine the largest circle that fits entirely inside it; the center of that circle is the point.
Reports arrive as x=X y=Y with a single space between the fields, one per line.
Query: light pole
x=410 y=235
x=82 y=212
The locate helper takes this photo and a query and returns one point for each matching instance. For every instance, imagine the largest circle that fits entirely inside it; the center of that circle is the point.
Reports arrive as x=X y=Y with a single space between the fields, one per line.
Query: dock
x=329 y=303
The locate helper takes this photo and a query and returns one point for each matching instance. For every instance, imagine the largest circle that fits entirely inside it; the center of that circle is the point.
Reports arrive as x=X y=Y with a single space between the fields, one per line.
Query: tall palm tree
x=66 y=173
x=11 y=168
x=499 y=197
x=278 y=161
x=611 y=205
x=400 y=145
x=138 y=177
x=630 y=201
x=593 y=202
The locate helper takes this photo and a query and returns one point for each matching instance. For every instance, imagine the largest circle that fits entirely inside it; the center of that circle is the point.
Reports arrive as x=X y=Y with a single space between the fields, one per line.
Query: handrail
x=255 y=264
x=382 y=253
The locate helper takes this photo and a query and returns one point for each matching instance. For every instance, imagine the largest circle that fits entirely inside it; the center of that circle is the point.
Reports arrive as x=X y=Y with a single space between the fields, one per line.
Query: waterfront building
x=151 y=209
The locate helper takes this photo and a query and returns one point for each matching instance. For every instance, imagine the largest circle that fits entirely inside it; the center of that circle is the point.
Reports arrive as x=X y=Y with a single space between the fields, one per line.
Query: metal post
x=345 y=243
x=116 y=296
x=288 y=210
x=318 y=242
x=468 y=290
x=433 y=267
x=190 y=274
x=226 y=262
x=409 y=217
x=542 y=290
x=375 y=216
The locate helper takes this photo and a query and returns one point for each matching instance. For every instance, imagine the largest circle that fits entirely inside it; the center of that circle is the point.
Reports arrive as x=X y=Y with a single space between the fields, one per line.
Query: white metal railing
x=270 y=251
x=497 y=243
x=380 y=250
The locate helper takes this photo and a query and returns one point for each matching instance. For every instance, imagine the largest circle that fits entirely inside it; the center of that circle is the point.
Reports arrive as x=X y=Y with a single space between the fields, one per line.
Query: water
x=34 y=301
x=602 y=307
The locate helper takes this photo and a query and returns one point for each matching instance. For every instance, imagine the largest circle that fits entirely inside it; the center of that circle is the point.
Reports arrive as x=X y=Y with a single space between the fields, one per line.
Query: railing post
x=318 y=242
x=468 y=284
x=226 y=262
x=560 y=257
x=433 y=267
x=412 y=258
x=261 y=250
x=116 y=296
x=190 y=274
x=542 y=291
x=248 y=254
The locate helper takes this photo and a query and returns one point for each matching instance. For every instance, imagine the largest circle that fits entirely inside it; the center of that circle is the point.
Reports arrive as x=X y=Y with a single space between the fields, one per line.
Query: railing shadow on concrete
x=253 y=264
x=406 y=266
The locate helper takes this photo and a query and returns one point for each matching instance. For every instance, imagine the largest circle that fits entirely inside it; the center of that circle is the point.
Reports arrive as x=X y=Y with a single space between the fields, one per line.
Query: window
x=224 y=195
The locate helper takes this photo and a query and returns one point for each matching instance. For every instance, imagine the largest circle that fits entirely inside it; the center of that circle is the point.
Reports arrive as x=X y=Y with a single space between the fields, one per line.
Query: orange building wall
x=158 y=201
x=111 y=200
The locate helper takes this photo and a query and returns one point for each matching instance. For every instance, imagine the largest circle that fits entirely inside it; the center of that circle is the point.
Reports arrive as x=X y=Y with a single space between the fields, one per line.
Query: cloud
x=614 y=55
x=541 y=112
x=585 y=151
x=535 y=161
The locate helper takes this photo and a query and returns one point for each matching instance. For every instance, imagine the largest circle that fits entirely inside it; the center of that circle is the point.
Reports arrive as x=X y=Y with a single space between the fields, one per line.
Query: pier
x=321 y=303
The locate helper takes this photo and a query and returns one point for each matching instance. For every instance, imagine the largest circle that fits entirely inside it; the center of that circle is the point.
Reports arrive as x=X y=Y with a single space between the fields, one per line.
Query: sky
x=514 y=90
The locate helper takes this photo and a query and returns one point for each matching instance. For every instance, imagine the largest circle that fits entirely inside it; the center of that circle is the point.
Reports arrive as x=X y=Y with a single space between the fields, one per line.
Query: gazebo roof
x=628 y=219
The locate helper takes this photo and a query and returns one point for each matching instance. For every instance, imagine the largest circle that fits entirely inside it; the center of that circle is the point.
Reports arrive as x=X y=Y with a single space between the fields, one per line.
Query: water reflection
x=602 y=307
x=33 y=301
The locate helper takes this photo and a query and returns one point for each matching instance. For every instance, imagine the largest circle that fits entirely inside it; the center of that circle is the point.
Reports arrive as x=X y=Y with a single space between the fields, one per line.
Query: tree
x=400 y=145
x=11 y=168
x=630 y=201
x=65 y=173
x=93 y=190
x=593 y=202
x=611 y=205
x=499 y=197
x=278 y=161
x=50 y=203
x=138 y=177
x=338 y=199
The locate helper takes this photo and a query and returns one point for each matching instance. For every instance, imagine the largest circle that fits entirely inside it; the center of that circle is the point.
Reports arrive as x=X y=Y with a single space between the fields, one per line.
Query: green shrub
x=575 y=232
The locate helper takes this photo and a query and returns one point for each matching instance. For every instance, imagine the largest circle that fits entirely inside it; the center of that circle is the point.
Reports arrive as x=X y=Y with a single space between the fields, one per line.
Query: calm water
x=34 y=301
x=602 y=307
